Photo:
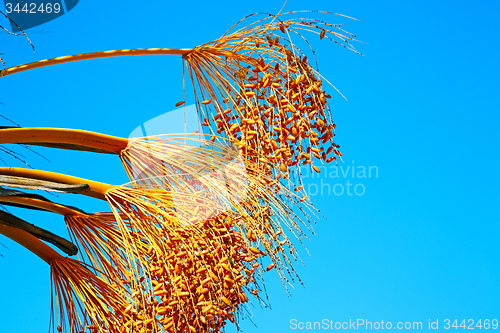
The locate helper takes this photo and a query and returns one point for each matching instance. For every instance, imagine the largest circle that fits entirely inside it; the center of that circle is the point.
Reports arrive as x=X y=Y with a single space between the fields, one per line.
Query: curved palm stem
x=96 y=189
x=40 y=204
x=30 y=242
x=14 y=221
x=64 y=138
x=93 y=55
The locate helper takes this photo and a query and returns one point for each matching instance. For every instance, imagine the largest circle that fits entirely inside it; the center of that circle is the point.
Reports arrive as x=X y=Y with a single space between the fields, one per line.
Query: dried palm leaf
x=14 y=221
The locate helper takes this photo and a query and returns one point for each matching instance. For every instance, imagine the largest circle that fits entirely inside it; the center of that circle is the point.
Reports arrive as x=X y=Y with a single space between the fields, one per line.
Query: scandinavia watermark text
x=338 y=180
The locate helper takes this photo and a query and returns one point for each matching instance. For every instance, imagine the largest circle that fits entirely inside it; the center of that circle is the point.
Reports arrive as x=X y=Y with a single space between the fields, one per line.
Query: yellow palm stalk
x=93 y=55
x=143 y=158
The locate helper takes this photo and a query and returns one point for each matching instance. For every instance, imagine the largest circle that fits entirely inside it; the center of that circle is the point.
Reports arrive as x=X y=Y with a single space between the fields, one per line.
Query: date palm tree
x=204 y=216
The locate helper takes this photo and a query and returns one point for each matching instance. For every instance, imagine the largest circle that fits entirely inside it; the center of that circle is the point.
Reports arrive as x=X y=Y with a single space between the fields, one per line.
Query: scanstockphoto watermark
x=366 y=324
x=339 y=179
x=354 y=324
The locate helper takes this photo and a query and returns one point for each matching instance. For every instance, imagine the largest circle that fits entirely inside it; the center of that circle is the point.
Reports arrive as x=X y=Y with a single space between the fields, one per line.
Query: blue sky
x=420 y=243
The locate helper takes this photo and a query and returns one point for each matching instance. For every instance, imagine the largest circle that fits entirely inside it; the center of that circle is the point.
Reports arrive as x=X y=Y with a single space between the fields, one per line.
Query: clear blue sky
x=421 y=242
